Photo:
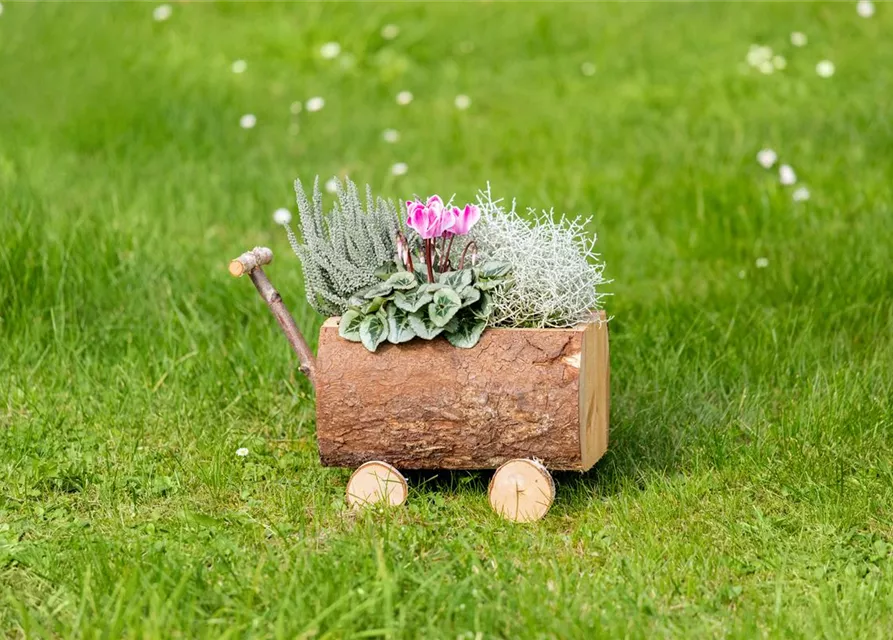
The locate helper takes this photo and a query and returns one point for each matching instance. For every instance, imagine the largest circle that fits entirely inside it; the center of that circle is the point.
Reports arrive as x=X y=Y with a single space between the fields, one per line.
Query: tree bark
x=428 y=405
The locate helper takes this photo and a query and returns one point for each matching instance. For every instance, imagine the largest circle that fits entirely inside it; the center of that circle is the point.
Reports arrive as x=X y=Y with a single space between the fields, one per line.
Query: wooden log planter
x=522 y=401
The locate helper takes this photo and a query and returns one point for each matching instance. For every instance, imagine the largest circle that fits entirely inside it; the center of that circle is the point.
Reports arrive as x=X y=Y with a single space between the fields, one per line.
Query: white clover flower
x=766 y=67
x=762 y=263
x=825 y=69
x=587 y=69
x=462 y=102
x=758 y=54
x=332 y=185
x=248 y=121
x=162 y=12
x=296 y=107
x=390 y=31
x=801 y=194
x=1 y=8
x=798 y=39
x=767 y=158
x=865 y=8
x=242 y=452
x=786 y=175
x=390 y=135
x=779 y=62
x=399 y=169
x=330 y=50
x=315 y=104
x=239 y=66
x=282 y=216
x=404 y=97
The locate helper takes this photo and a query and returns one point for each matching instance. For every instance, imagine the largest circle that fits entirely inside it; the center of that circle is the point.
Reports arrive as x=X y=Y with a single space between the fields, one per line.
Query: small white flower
x=281 y=216
x=242 y=452
x=404 y=97
x=390 y=31
x=330 y=50
x=332 y=185
x=798 y=39
x=865 y=8
x=315 y=104
x=766 y=67
x=162 y=12
x=587 y=69
x=1 y=8
x=462 y=101
x=762 y=263
x=399 y=169
x=390 y=135
x=801 y=194
x=779 y=62
x=296 y=107
x=239 y=66
x=767 y=158
x=825 y=69
x=786 y=175
x=247 y=121
x=758 y=54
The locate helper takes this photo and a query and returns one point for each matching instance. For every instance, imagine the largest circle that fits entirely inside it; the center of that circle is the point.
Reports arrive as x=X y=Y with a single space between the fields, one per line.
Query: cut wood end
x=521 y=490
x=375 y=482
x=236 y=268
x=250 y=260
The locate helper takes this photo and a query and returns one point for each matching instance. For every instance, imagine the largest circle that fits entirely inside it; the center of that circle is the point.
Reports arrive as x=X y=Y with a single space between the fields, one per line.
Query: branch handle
x=251 y=262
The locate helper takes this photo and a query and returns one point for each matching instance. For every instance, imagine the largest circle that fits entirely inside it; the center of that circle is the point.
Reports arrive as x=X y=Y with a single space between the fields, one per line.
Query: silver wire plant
x=555 y=270
x=340 y=250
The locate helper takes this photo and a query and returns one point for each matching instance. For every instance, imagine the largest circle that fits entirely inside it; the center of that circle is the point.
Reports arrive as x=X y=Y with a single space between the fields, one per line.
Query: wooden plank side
x=595 y=396
x=429 y=405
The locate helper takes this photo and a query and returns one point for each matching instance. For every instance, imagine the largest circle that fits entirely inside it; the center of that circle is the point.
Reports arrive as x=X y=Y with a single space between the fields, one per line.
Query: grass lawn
x=748 y=489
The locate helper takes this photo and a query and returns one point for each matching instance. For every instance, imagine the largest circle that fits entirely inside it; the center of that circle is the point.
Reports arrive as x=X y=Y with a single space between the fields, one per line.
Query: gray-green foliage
x=402 y=306
x=341 y=249
x=556 y=273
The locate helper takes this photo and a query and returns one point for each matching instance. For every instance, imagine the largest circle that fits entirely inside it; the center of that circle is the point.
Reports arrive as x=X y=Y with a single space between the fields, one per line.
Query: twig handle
x=251 y=262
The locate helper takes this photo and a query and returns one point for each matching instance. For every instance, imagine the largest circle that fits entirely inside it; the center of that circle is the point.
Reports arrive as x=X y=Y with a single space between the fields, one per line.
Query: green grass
x=748 y=489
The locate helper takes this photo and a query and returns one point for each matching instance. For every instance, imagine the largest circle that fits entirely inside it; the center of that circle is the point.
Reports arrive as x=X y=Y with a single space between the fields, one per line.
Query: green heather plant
x=556 y=273
x=341 y=249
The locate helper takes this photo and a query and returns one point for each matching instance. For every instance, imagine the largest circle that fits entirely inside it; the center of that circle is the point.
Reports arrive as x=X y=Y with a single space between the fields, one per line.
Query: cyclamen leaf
x=373 y=331
x=402 y=280
x=483 y=309
x=493 y=269
x=349 y=325
x=382 y=289
x=374 y=305
x=431 y=287
x=468 y=333
x=399 y=328
x=487 y=285
x=444 y=306
x=411 y=301
x=385 y=270
x=458 y=280
x=423 y=326
x=470 y=296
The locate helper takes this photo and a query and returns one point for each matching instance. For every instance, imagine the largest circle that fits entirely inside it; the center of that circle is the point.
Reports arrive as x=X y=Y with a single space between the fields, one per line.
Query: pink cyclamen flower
x=465 y=219
x=430 y=220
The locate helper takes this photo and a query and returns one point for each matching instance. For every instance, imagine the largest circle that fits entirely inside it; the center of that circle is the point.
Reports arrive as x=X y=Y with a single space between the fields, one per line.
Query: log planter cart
x=522 y=401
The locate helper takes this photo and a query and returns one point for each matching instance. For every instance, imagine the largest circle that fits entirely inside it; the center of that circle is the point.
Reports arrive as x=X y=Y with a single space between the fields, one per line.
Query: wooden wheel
x=375 y=482
x=521 y=490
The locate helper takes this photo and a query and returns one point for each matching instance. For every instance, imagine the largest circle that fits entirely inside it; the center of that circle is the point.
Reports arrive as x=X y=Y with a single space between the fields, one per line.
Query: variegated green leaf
x=399 y=328
x=402 y=280
x=373 y=331
x=423 y=326
x=444 y=306
x=469 y=296
x=384 y=271
x=456 y=280
x=468 y=333
x=349 y=325
x=411 y=301
x=493 y=269
x=380 y=290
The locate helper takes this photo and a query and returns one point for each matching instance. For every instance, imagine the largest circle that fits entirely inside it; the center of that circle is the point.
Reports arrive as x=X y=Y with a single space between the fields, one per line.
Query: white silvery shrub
x=556 y=271
x=341 y=249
